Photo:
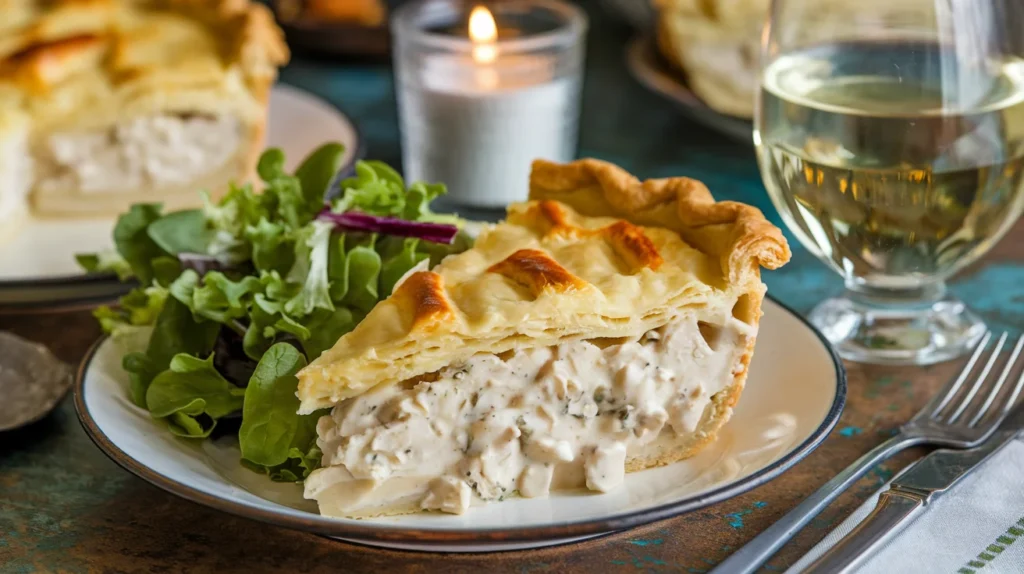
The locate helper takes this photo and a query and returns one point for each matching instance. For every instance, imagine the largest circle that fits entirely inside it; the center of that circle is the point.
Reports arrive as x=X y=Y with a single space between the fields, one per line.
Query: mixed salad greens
x=236 y=297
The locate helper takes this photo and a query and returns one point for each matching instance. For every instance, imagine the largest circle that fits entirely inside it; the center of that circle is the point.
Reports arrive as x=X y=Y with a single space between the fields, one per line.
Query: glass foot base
x=923 y=335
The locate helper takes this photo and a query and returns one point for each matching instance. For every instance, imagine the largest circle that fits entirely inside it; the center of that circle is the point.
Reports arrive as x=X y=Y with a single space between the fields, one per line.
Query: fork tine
x=978 y=350
x=973 y=391
x=1010 y=364
x=1012 y=400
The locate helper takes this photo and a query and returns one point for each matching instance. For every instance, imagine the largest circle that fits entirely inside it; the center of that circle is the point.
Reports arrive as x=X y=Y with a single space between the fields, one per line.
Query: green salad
x=235 y=298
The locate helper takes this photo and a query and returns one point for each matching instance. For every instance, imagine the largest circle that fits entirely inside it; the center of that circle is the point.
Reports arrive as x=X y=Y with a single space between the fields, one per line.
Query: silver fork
x=940 y=423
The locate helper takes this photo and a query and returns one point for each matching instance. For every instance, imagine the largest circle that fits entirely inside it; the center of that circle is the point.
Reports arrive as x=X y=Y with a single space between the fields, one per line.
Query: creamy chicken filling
x=527 y=423
x=142 y=153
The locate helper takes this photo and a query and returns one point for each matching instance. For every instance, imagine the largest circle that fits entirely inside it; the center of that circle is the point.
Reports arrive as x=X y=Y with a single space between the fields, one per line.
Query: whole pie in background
x=343 y=29
x=362 y=12
x=108 y=103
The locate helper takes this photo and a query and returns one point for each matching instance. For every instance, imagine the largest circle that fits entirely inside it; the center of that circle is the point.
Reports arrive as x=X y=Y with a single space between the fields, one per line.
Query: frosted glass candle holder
x=478 y=103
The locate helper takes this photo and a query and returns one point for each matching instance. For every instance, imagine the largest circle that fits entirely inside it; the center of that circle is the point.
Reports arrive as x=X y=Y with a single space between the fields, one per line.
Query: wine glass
x=890 y=136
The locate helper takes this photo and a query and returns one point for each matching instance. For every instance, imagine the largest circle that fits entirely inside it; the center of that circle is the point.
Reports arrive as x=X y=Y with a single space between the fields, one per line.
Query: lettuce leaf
x=375 y=189
x=181 y=232
x=175 y=332
x=214 y=296
x=311 y=271
x=269 y=419
x=259 y=277
x=134 y=243
x=195 y=394
x=364 y=265
x=241 y=207
x=273 y=437
x=108 y=261
x=140 y=307
x=316 y=173
x=399 y=264
x=272 y=247
x=326 y=327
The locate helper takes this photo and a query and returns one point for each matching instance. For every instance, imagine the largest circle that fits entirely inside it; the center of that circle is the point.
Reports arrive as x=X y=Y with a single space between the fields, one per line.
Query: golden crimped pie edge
x=737 y=233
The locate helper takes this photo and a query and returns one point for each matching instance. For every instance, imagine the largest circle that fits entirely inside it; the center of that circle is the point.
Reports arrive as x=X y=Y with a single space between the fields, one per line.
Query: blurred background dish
x=701 y=54
x=336 y=27
x=37 y=264
x=363 y=12
x=651 y=69
x=639 y=14
x=359 y=28
x=107 y=104
x=716 y=44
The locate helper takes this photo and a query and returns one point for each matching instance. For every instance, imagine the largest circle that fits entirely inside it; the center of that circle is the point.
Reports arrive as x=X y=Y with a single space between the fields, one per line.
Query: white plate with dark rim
x=37 y=265
x=794 y=396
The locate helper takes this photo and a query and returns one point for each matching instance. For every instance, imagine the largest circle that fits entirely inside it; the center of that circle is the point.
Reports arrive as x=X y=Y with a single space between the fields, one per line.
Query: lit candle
x=476 y=110
x=483 y=32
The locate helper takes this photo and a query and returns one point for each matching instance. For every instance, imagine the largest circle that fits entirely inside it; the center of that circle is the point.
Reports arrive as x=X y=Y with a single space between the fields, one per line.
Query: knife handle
x=894 y=511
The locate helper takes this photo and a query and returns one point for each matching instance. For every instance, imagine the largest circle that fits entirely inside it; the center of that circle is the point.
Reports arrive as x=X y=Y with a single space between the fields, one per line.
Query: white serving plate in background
x=37 y=264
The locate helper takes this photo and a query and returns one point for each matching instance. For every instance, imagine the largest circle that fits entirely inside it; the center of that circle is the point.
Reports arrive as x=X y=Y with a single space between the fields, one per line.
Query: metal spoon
x=32 y=381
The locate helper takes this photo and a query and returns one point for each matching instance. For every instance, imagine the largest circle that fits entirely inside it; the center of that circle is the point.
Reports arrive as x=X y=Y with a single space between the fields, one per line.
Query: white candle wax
x=476 y=127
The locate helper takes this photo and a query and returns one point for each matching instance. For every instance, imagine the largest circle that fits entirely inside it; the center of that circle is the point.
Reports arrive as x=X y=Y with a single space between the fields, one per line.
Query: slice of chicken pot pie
x=605 y=327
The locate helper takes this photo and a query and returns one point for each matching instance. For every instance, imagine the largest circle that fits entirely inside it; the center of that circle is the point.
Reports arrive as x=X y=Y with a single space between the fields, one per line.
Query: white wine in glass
x=893 y=146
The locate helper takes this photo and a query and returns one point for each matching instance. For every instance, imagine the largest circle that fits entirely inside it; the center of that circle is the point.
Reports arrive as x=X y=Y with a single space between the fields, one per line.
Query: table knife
x=905 y=499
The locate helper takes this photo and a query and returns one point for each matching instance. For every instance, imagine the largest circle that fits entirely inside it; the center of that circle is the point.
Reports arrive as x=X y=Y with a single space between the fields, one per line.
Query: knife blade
x=904 y=500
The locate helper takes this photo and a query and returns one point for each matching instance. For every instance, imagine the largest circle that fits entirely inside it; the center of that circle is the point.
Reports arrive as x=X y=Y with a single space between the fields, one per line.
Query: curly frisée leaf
x=375 y=189
x=239 y=208
x=267 y=324
x=272 y=246
x=140 y=307
x=214 y=296
x=311 y=271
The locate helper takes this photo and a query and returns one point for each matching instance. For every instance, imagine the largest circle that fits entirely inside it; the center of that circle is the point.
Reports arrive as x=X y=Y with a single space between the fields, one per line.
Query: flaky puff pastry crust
x=594 y=254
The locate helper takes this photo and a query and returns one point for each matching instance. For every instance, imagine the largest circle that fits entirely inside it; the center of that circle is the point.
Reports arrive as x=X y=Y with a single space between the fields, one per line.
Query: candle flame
x=481 y=25
x=483 y=31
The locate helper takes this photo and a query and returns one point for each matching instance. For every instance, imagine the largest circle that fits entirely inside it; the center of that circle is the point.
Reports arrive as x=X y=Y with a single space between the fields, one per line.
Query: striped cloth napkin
x=976 y=528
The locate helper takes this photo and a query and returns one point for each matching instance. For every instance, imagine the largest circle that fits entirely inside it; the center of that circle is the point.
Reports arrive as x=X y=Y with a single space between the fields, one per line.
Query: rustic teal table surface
x=65 y=507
